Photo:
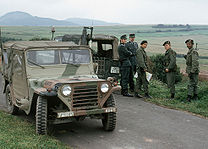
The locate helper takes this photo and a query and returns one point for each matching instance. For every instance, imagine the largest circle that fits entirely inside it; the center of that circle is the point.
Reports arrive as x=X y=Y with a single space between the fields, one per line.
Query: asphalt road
x=140 y=125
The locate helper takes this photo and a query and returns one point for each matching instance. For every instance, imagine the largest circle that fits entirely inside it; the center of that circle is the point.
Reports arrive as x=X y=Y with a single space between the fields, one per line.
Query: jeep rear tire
x=109 y=120
x=41 y=116
x=11 y=108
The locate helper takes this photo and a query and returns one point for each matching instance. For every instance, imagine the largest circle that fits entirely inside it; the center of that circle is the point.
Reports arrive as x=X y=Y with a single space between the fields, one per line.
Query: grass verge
x=18 y=133
x=160 y=94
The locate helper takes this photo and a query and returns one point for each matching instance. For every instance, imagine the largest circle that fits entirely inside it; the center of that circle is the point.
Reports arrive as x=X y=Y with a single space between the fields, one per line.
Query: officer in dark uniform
x=132 y=47
x=170 y=67
x=125 y=65
x=192 y=69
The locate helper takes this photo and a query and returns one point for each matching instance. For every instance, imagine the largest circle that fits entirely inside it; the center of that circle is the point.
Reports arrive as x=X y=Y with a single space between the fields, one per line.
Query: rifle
x=197 y=46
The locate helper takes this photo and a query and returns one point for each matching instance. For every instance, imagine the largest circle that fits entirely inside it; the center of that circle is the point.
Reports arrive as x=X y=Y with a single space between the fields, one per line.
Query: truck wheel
x=41 y=116
x=11 y=108
x=109 y=120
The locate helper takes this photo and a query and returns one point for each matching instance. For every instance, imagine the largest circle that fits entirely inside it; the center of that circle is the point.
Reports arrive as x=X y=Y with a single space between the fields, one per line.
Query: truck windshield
x=51 y=57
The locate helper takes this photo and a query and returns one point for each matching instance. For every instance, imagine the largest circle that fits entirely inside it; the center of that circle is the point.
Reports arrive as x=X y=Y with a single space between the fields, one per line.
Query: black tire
x=41 y=116
x=11 y=108
x=109 y=120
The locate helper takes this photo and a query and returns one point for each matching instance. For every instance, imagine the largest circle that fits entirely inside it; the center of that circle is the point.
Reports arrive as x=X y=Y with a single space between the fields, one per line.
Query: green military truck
x=57 y=81
x=104 y=50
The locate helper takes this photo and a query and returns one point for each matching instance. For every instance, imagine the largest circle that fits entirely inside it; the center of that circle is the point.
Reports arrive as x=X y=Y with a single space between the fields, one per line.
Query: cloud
x=129 y=12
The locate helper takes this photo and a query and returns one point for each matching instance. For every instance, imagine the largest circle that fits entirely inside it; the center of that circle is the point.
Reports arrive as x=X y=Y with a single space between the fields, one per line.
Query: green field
x=17 y=132
x=200 y=36
x=161 y=94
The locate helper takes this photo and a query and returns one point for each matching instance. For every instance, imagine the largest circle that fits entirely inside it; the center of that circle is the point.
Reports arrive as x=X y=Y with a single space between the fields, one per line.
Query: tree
x=158 y=69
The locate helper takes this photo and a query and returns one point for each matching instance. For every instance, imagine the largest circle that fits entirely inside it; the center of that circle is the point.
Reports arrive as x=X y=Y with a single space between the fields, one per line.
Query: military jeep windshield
x=51 y=57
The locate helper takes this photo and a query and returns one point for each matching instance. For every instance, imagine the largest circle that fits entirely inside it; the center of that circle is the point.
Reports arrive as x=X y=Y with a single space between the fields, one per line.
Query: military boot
x=147 y=95
x=195 y=97
x=189 y=98
x=137 y=95
x=125 y=93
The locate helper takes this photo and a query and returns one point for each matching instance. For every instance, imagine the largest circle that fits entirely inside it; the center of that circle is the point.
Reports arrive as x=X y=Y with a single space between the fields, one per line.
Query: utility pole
x=53 y=32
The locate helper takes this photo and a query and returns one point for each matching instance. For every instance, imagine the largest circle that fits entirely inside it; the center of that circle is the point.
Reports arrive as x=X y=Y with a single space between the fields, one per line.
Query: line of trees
x=182 y=55
x=5 y=39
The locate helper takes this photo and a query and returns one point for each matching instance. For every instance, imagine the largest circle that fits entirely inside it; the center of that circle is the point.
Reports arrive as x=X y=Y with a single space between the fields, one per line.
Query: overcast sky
x=118 y=11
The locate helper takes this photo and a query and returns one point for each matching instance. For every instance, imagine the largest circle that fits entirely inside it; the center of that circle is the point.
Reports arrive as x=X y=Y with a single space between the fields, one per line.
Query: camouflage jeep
x=58 y=81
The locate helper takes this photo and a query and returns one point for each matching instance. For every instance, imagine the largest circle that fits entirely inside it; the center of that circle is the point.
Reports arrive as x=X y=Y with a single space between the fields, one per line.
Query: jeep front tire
x=41 y=116
x=109 y=119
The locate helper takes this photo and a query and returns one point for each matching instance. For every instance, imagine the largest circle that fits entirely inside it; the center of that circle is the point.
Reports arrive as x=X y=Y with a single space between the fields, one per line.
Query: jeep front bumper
x=85 y=112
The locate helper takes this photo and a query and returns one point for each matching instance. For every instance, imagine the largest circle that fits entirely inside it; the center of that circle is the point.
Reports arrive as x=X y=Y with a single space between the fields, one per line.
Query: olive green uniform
x=132 y=47
x=141 y=66
x=192 y=69
x=125 y=66
x=170 y=64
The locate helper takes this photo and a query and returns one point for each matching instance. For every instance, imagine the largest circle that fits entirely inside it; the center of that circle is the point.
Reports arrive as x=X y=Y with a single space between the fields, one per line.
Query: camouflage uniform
x=125 y=67
x=141 y=67
x=132 y=47
x=170 y=64
x=192 y=69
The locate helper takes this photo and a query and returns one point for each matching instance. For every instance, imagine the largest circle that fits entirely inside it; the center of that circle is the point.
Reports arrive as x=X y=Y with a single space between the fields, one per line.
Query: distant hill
x=89 y=22
x=18 y=18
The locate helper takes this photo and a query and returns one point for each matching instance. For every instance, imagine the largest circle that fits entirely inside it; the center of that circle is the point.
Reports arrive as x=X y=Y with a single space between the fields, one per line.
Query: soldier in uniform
x=125 y=65
x=141 y=70
x=170 y=67
x=132 y=47
x=192 y=69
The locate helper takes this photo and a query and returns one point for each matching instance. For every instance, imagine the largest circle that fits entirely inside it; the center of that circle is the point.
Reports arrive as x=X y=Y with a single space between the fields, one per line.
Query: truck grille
x=85 y=97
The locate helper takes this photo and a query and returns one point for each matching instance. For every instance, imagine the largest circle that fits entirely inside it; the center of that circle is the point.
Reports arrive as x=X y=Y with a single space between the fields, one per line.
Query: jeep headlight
x=104 y=88
x=66 y=90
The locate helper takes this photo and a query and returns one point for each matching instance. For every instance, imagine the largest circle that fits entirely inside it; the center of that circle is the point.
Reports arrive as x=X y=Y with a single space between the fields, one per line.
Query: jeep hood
x=47 y=83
